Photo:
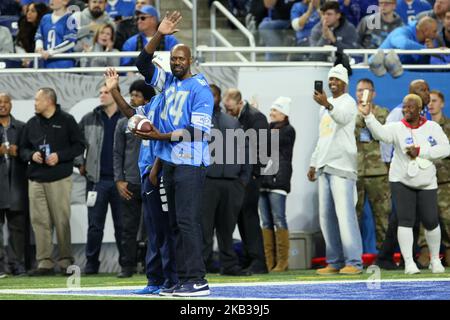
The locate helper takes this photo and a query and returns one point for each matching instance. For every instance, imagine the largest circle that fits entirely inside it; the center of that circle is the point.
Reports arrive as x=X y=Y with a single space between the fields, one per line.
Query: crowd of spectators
x=345 y=24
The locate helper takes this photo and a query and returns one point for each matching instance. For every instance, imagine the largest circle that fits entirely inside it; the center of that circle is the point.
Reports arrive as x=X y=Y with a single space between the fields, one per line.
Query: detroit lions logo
x=432 y=141
x=202 y=82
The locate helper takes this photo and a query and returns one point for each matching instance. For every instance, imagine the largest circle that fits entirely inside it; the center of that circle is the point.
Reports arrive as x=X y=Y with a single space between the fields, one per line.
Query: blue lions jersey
x=123 y=8
x=408 y=12
x=147 y=152
x=188 y=103
x=25 y=2
x=53 y=34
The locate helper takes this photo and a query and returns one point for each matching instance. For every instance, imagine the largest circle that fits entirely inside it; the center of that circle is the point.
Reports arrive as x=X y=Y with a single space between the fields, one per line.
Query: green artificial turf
x=109 y=280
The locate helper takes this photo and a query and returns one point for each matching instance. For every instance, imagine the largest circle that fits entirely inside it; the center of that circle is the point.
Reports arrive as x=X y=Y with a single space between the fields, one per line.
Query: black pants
x=221 y=205
x=184 y=187
x=17 y=229
x=390 y=243
x=131 y=218
x=249 y=227
x=415 y=205
x=160 y=257
x=107 y=194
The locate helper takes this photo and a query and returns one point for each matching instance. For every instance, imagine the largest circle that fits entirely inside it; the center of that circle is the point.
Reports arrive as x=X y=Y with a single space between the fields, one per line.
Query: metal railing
x=216 y=5
x=193 y=6
x=366 y=52
x=206 y=49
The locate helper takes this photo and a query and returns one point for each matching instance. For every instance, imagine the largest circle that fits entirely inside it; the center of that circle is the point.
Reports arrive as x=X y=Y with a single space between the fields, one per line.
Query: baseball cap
x=149 y=10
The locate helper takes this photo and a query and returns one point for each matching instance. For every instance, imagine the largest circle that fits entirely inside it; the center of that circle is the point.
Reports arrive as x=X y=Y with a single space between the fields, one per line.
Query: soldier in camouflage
x=435 y=107
x=372 y=171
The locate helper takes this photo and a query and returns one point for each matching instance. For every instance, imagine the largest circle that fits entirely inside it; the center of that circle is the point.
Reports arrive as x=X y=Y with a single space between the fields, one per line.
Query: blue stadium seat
x=11 y=22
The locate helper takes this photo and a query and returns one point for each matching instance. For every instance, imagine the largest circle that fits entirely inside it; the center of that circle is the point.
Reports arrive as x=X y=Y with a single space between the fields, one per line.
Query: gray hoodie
x=372 y=30
x=6 y=40
x=345 y=33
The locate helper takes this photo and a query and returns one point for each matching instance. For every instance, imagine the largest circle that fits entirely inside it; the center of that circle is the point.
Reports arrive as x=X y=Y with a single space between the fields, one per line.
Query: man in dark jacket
x=248 y=220
x=128 y=179
x=224 y=193
x=98 y=128
x=50 y=142
x=13 y=186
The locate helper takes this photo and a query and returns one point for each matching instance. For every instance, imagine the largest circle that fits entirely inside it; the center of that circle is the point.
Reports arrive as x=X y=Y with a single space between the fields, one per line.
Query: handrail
x=70 y=55
x=367 y=52
x=216 y=5
x=290 y=64
x=194 y=9
x=188 y=4
x=237 y=50
x=324 y=49
x=68 y=70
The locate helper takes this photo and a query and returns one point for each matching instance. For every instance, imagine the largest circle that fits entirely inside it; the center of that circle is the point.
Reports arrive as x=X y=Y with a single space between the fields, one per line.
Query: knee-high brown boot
x=269 y=247
x=282 y=243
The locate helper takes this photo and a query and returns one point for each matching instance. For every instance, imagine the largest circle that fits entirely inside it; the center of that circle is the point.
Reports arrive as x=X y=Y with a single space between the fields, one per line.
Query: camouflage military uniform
x=373 y=175
x=443 y=177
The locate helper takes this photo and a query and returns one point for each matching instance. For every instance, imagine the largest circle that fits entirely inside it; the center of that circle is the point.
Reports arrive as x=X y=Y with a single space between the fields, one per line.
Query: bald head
x=186 y=50
x=421 y=88
x=427 y=28
x=180 y=61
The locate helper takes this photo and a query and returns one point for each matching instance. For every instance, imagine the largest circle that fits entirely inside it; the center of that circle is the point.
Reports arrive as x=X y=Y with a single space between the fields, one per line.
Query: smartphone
x=365 y=96
x=318 y=85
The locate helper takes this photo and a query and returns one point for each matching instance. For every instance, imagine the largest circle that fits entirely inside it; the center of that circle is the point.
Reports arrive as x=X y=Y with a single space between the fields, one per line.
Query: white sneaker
x=411 y=268
x=436 y=266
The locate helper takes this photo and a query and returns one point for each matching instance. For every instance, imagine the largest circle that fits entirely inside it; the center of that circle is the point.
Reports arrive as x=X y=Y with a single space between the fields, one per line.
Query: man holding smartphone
x=334 y=161
x=372 y=171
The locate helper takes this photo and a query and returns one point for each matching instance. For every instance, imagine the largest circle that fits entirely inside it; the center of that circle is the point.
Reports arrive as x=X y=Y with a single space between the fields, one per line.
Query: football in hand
x=139 y=122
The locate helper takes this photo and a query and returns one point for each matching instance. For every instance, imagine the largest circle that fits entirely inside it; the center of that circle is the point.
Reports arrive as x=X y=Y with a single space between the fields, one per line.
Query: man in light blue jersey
x=160 y=257
x=57 y=33
x=186 y=113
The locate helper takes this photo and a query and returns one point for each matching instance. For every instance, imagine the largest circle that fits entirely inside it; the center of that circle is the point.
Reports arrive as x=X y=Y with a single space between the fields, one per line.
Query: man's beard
x=96 y=13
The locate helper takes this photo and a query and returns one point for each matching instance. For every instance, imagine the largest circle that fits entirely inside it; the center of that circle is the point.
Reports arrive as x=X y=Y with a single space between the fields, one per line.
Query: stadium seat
x=11 y=22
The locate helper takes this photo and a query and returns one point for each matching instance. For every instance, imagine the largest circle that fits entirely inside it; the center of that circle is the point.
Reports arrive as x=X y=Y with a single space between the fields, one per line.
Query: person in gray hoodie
x=88 y=22
x=333 y=30
x=6 y=40
x=373 y=29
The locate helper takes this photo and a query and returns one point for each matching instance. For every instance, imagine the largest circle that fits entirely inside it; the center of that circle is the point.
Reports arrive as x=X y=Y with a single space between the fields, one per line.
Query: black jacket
x=125 y=30
x=282 y=179
x=222 y=121
x=252 y=118
x=13 y=182
x=62 y=134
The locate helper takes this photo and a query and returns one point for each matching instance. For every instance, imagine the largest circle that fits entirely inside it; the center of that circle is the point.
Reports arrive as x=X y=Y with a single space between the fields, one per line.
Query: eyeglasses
x=142 y=18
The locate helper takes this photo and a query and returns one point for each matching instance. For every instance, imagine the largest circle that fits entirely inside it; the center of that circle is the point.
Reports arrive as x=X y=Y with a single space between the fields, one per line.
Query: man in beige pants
x=50 y=142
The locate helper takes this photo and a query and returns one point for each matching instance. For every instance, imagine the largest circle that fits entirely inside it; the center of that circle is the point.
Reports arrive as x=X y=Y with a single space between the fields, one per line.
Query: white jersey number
x=51 y=39
x=174 y=104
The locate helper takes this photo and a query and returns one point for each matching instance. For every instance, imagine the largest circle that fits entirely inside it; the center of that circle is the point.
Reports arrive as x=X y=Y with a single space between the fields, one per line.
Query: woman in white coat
x=412 y=175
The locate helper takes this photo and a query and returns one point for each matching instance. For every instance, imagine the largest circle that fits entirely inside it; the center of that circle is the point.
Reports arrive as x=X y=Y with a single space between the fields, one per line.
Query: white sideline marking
x=87 y=291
